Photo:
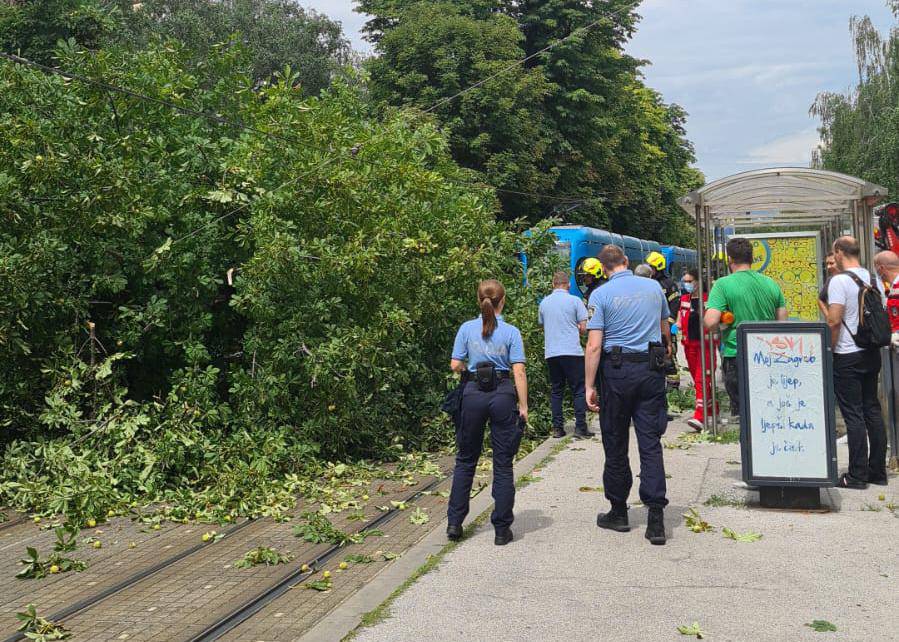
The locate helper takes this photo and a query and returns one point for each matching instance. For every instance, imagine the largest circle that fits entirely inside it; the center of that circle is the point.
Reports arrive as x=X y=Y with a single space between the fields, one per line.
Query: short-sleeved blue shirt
x=502 y=348
x=560 y=314
x=628 y=309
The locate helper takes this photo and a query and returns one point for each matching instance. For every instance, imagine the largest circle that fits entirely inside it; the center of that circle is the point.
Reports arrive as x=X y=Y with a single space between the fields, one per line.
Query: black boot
x=558 y=433
x=614 y=520
x=655 y=526
x=454 y=532
x=503 y=536
x=585 y=434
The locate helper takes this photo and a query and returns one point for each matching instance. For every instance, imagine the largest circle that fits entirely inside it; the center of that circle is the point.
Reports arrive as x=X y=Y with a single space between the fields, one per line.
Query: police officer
x=490 y=354
x=625 y=350
x=593 y=276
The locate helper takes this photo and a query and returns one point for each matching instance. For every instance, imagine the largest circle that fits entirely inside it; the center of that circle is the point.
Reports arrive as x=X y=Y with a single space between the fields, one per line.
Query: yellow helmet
x=592 y=266
x=656 y=260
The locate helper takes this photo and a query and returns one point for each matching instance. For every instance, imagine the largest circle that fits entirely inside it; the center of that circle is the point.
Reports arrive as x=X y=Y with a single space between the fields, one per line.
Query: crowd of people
x=630 y=351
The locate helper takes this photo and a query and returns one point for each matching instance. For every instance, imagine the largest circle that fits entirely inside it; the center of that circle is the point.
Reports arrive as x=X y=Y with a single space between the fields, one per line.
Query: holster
x=485 y=376
x=615 y=357
x=658 y=355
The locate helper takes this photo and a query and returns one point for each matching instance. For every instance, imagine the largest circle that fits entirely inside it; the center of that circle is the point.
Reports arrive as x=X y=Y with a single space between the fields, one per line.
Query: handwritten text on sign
x=786 y=405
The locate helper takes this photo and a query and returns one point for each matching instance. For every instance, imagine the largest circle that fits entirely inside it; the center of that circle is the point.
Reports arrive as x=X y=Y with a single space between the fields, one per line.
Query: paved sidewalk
x=564 y=579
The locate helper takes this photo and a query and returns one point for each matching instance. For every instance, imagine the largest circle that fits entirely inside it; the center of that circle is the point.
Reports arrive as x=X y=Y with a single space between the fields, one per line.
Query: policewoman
x=490 y=354
x=625 y=350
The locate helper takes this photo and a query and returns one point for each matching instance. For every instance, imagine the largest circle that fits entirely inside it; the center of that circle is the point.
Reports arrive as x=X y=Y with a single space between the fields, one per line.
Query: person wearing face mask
x=689 y=328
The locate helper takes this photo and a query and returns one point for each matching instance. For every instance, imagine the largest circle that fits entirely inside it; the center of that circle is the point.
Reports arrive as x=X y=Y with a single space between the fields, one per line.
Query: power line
x=111 y=87
x=515 y=64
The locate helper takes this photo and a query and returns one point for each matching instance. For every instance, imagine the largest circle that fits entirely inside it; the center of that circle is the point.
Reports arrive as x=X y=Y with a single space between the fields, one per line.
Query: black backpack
x=873 y=323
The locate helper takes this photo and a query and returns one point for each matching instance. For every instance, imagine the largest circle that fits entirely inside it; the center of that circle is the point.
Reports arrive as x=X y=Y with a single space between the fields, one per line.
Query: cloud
x=792 y=149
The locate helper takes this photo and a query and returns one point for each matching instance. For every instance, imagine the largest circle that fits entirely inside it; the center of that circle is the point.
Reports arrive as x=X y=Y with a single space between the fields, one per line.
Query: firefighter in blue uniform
x=625 y=351
x=489 y=353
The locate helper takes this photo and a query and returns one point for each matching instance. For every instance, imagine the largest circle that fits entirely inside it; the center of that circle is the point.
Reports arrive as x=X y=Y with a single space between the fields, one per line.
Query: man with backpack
x=859 y=327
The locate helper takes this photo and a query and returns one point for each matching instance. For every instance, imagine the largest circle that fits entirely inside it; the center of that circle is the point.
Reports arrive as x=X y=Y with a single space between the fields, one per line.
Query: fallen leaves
x=692 y=630
x=591 y=489
x=741 y=537
x=821 y=626
x=695 y=522
x=419 y=517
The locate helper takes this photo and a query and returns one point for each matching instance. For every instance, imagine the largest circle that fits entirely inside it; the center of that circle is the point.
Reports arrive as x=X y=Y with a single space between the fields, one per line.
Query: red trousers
x=694 y=359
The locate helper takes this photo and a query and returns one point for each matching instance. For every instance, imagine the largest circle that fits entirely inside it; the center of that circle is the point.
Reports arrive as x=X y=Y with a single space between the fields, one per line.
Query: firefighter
x=593 y=276
x=658 y=263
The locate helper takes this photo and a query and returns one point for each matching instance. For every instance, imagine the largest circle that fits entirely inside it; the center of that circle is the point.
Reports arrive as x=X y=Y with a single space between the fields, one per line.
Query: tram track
x=296 y=577
x=244 y=611
x=14 y=521
x=131 y=580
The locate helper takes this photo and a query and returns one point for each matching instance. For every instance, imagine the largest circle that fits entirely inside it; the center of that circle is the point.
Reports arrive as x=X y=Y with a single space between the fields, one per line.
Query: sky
x=746 y=71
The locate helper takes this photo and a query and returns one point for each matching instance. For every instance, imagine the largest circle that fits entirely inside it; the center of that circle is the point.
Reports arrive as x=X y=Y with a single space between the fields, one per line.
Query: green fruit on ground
x=54 y=569
x=98 y=544
x=344 y=566
x=91 y=522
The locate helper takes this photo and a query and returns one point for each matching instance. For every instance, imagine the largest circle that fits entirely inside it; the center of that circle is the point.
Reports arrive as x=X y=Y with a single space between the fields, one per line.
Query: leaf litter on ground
x=691 y=630
x=748 y=536
x=821 y=626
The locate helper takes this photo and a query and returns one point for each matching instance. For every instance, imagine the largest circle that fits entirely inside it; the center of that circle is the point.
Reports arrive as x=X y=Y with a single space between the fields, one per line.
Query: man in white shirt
x=855 y=370
x=564 y=319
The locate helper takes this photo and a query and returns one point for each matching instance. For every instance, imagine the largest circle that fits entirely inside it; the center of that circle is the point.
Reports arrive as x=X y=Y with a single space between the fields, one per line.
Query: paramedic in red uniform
x=688 y=325
x=886 y=264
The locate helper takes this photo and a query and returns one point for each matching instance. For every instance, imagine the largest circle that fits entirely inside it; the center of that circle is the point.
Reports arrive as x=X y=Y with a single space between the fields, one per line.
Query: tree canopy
x=587 y=135
x=860 y=129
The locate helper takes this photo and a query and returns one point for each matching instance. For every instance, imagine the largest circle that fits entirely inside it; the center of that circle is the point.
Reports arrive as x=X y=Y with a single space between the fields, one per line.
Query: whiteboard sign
x=787 y=405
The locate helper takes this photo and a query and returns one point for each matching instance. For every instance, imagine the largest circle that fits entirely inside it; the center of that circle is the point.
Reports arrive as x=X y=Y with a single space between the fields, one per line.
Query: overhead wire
x=526 y=59
x=222 y=120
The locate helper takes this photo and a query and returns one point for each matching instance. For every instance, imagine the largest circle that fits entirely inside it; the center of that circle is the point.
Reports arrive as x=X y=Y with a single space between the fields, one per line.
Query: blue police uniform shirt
x=502 y=348
x=628 y=309
x=559 y=315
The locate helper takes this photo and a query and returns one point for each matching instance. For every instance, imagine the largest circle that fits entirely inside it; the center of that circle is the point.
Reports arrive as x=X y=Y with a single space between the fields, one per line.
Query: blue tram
x=577 y=243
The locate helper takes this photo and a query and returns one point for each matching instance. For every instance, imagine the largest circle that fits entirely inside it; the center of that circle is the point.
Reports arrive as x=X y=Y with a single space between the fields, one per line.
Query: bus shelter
x=793 y=215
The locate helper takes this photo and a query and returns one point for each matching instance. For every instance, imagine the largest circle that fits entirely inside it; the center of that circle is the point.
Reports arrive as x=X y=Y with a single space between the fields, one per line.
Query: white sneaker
x=695 y=424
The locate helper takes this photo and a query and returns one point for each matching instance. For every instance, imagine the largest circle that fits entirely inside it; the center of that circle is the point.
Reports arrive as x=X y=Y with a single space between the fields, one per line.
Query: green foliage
x=39 y=629
x=33 y=27
x=860 y=129
x=274 y=34
x=36 y=568
x=318 y=529
x=262 y=555
x=135 y=372
x=692 y=630
x=741 y=537
x=821 y=626
x=66 y=538
x=576 y=122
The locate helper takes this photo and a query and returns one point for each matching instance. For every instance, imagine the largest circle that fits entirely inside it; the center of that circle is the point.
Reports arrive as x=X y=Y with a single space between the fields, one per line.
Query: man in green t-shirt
x=749 y=296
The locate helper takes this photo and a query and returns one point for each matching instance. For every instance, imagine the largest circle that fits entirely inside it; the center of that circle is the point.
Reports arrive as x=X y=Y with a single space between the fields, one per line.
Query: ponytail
x=490 y=295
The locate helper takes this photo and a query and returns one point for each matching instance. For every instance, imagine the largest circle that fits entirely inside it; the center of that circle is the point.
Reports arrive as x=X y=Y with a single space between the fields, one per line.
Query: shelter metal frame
x=782 y=198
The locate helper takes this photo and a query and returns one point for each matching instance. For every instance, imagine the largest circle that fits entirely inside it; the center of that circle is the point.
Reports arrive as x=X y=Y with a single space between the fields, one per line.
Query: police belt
x=501 y=375
x=632 y=357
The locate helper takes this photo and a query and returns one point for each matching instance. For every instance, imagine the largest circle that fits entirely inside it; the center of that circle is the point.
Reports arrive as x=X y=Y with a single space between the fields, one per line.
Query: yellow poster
x=792 y=261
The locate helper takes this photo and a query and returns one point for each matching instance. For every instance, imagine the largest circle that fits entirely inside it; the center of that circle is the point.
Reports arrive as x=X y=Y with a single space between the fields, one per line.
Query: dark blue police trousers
x=632 y=391
x=500 y=407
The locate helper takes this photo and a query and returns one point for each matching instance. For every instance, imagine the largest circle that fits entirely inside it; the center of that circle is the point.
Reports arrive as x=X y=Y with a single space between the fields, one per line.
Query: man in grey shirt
x=564 y=319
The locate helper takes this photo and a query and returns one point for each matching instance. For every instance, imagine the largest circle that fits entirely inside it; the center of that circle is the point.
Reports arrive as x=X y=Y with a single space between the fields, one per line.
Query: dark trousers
x=731 y=384
x=500 y=407
x=568 y=371
x=632 y=392
x=855 y=384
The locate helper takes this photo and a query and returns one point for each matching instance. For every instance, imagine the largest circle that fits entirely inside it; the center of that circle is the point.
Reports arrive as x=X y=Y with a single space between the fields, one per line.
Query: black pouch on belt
x=615 y=357
x=658 y=355
x=485 y=376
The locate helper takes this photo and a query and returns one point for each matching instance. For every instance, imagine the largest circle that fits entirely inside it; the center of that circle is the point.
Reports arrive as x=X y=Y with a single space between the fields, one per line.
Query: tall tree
x=611 y=151
x=33 y=27
x=439 y=50
x=860 y=129
x=275 y=33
